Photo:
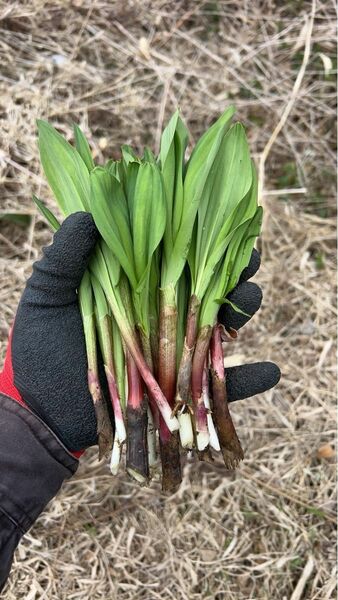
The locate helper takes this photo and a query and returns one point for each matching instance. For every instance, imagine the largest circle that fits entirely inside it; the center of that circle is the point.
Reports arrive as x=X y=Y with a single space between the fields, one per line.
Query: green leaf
x=167 y=138
x=181 y=142
x=113 y=167
x=154 y=285
x=86 y=303
x=51 y=218
x=195 y=181
x=86 y=296
x=148 y=216
x=199 y=167
x=112 y=263
x=65 y=170
x=206 y=146
x=148 y=156
x=226 y=277
x=173 y=145
x=16 y=218
x=83 y=148
x=228 y=182
x=243 y=255
x=129 y=184
x=243 y=212
x=119 y=363
x=206 y=141
x=236 y=308
x=128 y=154
x=101 y=304
x=132 y=230
x=110 y=213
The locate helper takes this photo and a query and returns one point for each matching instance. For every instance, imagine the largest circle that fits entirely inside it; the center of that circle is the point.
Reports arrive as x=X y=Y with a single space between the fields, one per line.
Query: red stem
x=113 y=392
x=148 y=378
x=135 y=387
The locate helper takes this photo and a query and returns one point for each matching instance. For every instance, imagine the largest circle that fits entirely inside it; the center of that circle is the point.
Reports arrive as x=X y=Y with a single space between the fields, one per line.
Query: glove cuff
x=8 y=388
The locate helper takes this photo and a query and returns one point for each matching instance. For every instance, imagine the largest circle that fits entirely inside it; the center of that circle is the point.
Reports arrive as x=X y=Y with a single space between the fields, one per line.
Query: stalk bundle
x=175 y=237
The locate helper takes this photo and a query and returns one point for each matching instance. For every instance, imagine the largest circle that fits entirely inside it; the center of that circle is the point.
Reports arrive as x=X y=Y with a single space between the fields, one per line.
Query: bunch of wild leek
x=175 y=237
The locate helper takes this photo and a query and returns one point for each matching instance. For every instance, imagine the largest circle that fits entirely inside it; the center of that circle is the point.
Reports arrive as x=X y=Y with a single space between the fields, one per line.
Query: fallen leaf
x=325 y=451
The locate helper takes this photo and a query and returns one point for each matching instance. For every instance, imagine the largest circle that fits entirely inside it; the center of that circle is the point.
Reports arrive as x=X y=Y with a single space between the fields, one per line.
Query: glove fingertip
x=253 y=266
x=72 y=245
x=248 y=380
x=80 y=229
x=247 y=296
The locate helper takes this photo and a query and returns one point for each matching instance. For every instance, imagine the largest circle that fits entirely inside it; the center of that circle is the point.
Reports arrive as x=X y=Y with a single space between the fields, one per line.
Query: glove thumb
x=58 y=274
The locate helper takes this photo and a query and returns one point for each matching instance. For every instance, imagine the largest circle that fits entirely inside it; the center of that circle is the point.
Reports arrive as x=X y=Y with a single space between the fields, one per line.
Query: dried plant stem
x=229 y=442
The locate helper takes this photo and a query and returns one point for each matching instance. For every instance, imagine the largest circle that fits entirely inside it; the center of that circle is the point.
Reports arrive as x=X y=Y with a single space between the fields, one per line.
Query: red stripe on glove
x=7 y=376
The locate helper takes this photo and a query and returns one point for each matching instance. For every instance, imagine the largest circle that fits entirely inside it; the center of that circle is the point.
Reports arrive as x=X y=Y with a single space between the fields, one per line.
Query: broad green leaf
x=110 y=213
x=134 y=229
x=243 y=255
x=208 y=141
x=194 y=188
x=229 y=181
x=204 y=144
x=202 y=270
x=173 y=145
x=83 y=148
x=148 y=216
x=51 y=218
x=65 y=170
x=129 y=184
x=226 y=277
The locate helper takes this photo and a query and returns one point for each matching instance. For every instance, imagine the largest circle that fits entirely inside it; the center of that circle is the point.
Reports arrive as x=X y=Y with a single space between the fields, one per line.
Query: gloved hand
x=46 y=366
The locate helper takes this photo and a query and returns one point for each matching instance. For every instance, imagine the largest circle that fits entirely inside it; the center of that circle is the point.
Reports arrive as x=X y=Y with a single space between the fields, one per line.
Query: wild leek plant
x=175 y=236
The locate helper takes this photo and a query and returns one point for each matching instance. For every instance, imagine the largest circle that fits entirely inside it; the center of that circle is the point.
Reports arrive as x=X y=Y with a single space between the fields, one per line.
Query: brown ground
x=119 y=69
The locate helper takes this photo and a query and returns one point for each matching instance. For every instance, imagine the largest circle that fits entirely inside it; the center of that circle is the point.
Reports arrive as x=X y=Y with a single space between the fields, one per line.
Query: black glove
x=47 y=352
x=254 y=378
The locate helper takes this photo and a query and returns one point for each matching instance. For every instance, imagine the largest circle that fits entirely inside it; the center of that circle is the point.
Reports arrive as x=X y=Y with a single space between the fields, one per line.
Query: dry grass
x=119 y=69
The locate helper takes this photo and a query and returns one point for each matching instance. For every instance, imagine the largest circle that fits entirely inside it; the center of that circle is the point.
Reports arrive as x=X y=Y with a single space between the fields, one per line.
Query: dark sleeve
x=33 y=465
